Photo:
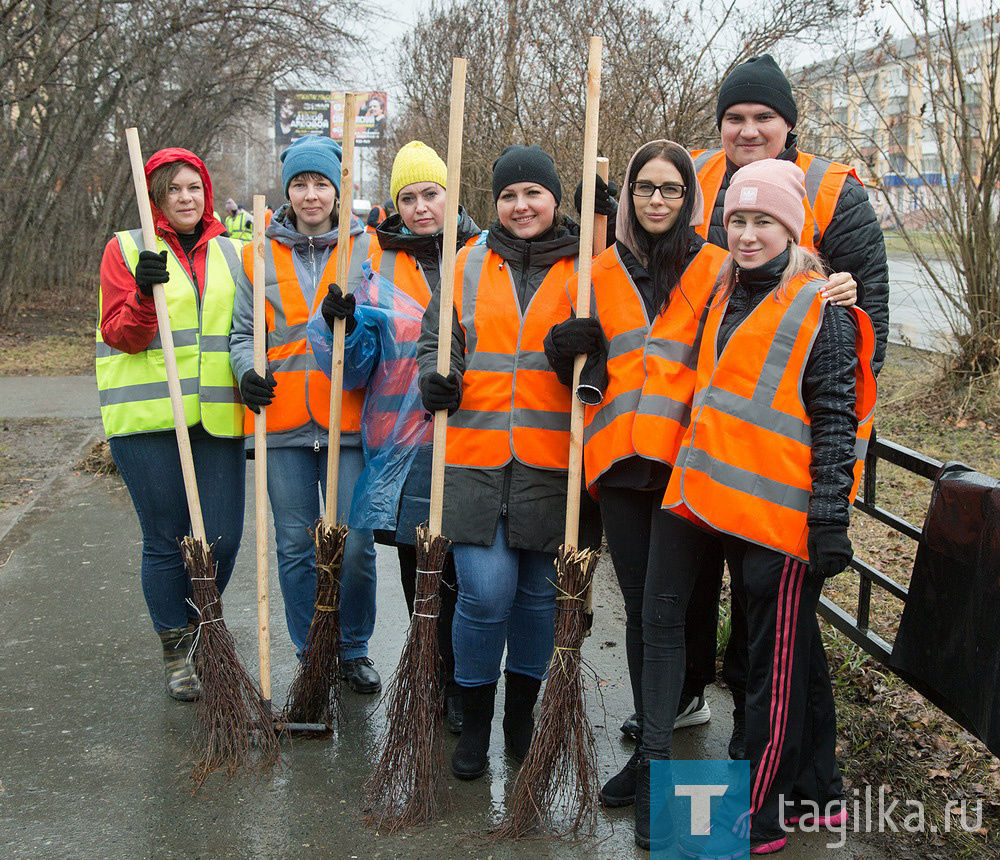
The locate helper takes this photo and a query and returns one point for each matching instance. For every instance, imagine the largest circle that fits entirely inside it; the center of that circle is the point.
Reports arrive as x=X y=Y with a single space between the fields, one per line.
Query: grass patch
x=49 y=341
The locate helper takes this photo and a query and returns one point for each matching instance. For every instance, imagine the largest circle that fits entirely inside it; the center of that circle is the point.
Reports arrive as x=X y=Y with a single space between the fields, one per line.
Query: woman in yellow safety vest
x=507 y=447
x=198 y=267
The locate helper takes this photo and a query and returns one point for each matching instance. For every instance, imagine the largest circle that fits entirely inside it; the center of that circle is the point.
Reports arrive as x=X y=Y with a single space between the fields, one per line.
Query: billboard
x=370 y=122
x=298 y=113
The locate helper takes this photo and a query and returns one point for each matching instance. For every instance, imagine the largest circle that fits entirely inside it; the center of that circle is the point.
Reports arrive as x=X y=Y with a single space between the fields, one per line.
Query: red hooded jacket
x=128 y=318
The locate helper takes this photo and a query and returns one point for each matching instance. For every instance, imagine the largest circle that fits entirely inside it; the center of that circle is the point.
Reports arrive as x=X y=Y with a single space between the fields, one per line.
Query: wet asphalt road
x=94 y=757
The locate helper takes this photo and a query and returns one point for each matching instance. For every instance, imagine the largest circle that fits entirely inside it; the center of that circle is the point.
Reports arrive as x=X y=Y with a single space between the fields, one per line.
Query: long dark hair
x=666 y=253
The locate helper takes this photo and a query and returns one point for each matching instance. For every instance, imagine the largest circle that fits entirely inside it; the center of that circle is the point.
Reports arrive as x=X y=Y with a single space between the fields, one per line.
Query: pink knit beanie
x=772 y=186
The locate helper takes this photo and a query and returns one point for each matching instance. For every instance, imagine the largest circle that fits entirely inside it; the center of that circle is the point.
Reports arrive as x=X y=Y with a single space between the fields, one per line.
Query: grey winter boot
x=182 y=682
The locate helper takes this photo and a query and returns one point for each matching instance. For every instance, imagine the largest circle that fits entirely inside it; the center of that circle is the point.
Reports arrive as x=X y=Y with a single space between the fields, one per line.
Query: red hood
x=176 y=153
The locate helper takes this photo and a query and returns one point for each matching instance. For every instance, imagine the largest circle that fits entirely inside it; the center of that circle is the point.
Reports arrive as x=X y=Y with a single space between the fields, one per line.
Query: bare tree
x=74 y=74
x=527 y=74
x=920 y=110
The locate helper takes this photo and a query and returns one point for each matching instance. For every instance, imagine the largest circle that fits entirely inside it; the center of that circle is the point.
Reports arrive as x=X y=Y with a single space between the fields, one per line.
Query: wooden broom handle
x=166 y=341
x=260 y=453
x=601 y=221
x=346 y=197
x=456 y=121
x=574 y=477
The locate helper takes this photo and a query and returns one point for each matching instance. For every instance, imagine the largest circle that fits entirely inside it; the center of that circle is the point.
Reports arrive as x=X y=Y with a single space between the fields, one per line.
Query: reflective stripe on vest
x=651 y=368
x=403 y=271
x=133 y=387
x=824 y=181
x=302 y=392
x=512 y=403
x=744 y=463
x=238 y=227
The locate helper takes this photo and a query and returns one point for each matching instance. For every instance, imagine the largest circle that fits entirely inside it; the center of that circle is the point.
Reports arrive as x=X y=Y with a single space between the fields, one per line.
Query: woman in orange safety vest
x=782 y=412
x=507 y=448
x=300 y=261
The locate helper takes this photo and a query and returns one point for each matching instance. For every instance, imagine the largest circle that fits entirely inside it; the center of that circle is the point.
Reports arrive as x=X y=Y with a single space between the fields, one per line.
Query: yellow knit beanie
x=416 y=162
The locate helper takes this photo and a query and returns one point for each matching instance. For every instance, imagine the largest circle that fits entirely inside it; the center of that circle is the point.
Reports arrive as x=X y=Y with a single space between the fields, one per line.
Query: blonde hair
x=800 y=261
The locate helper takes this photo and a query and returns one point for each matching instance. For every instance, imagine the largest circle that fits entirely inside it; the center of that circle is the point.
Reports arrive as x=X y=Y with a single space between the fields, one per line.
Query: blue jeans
x=296 y=479
x=506 y=597
x=151 y=468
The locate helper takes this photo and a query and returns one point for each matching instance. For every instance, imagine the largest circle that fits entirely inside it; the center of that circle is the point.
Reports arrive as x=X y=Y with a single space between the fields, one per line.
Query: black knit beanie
x=759 y=81
x=525 y=164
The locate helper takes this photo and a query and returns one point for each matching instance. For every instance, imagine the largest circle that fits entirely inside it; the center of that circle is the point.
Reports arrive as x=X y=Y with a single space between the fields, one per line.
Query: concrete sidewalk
x=94 y=757
x=49 y=397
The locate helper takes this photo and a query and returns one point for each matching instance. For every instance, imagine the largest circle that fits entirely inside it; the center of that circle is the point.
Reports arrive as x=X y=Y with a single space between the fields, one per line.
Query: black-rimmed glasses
x=668 y=190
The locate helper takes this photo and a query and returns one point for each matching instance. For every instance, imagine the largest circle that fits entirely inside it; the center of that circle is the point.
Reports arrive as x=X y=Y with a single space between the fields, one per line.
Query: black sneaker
x=632 y=728
x=692 y=711
x=360 y=675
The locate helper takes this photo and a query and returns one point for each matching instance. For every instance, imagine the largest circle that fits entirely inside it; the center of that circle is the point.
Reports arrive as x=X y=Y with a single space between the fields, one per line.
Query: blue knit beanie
x=311 y=154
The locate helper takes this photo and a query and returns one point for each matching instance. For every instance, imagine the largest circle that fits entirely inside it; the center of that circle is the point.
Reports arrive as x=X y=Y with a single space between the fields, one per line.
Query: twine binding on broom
x=234 y=723
x=557 y=784
x=314 y=696
x=404 y=788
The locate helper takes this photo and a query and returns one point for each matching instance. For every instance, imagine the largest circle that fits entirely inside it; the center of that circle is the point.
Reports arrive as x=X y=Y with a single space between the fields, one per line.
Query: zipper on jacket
x=505 y=492
x=522 y=281
x=316 y=445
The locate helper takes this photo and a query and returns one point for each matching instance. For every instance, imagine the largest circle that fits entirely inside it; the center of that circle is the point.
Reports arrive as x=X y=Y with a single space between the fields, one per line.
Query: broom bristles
x=235 y=726
x=314 y=696
x=404 y=788
x=557 y=781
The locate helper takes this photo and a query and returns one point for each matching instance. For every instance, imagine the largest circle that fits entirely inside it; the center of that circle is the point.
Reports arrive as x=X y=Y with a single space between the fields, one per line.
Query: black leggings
x=449 y=594
x=657 y=558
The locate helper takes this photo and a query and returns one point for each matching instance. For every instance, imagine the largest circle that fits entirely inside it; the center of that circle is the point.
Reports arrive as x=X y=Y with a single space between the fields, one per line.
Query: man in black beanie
x=756 y=113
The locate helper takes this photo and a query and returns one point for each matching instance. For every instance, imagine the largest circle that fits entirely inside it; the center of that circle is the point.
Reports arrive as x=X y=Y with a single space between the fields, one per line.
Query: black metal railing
x=856 y=627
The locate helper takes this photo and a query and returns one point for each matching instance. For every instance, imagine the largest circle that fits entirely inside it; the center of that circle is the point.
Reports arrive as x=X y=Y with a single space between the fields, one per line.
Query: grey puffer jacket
x=533 y=500
x=852 y=243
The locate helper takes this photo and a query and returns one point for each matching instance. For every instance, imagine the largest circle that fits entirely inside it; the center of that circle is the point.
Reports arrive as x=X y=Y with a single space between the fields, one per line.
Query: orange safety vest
x=743 y=467
x=824 y=181
x=401 y=270
x=651 y=366
x=302 y=392
x=512 y=403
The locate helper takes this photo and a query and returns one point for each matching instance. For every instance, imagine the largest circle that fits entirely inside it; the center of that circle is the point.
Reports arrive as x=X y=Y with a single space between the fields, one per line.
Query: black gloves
x=257 y=392
x=151 y=269
x=337 y=306
x=604 y=197
x=576 y=337
x=441 y=392
x=830 y=549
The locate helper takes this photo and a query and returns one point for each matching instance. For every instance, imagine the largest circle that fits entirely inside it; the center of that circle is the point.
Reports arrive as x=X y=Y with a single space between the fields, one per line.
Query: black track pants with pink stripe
x=791 y=720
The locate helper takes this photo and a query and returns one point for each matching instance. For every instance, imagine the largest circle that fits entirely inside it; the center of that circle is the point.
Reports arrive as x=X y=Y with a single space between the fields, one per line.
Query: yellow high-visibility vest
x=133 y=387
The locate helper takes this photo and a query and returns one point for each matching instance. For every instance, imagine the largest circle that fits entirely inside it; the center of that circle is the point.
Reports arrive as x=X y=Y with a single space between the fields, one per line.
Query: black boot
x=738 y=740
x=518 y=705
x=620 y=789
x=472 y=753
x=642 y=803
x=646 y=837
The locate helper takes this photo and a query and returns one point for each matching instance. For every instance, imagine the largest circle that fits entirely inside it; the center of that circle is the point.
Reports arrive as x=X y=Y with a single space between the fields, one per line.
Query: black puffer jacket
x=828 y=391
x=533 y=500
x=852 y=243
